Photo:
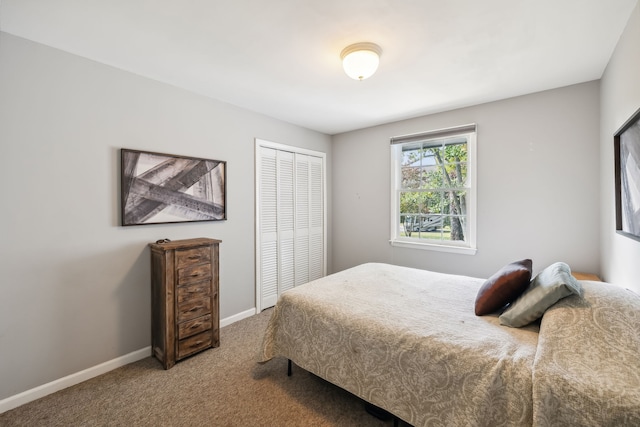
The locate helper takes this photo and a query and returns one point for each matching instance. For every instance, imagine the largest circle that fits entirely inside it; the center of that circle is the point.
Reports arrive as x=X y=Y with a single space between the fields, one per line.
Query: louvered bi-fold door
x=290 y=222
x=286 y=224
x=316 y=218
x=309 y=232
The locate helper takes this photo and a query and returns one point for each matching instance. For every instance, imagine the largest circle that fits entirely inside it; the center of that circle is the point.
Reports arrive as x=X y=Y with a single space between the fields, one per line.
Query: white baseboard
x=233 y=319
x=73 y=379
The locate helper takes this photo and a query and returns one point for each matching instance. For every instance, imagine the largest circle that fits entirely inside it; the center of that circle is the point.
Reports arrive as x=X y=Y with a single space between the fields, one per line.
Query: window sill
x=433 y=247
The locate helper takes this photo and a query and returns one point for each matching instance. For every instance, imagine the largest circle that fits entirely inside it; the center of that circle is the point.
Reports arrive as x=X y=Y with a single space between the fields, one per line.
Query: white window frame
x=468 y=247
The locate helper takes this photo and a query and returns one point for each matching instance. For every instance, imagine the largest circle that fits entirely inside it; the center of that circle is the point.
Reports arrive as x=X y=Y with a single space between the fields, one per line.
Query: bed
x=408 y=341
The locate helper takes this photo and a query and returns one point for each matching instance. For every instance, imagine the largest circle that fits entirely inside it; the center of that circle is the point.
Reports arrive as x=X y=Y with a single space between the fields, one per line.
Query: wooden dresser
x=184 y=298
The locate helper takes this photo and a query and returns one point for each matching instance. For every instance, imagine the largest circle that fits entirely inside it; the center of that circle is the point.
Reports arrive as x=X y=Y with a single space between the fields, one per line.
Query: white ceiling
x=282 y=57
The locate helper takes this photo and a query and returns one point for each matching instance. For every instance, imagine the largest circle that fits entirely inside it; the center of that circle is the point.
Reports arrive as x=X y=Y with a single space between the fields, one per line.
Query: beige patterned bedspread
x=408 y=341
x=587 y=368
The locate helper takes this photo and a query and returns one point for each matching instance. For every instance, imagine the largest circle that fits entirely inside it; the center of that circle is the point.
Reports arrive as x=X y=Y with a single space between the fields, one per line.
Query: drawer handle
x=196 y=308
x=196 y=344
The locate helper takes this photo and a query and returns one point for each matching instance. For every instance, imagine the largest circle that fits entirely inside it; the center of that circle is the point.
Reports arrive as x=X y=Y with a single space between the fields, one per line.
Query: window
x=434 y=190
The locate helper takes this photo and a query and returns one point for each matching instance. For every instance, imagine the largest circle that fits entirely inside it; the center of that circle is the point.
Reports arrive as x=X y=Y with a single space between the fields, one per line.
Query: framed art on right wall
x=626 y=143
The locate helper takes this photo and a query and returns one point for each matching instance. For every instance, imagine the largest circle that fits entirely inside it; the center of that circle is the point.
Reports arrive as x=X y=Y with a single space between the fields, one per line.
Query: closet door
x=302 y=220
x=309 y=232
x=267 y=225
x=286 y=221
x=290 y=226
x=317 y=251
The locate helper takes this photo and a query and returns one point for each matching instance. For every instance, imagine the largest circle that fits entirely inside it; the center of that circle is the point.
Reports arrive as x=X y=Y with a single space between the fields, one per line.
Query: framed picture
x=627 y=174
x=164 y=188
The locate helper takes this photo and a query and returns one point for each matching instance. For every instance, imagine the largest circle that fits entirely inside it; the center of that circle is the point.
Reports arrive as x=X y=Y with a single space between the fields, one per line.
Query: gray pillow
x=549 y=286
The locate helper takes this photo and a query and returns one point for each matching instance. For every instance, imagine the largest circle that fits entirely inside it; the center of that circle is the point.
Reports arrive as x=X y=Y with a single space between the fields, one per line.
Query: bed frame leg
x=288 y=367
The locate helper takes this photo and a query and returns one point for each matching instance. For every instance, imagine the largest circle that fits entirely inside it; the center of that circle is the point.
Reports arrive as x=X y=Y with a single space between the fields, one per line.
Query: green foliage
x=433 y=180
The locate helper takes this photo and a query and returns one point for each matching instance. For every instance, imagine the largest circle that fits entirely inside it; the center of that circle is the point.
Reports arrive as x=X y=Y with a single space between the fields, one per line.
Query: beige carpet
x=219 y=387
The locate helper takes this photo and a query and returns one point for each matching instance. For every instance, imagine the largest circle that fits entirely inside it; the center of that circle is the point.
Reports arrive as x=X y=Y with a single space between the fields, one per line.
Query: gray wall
x=75 y=285
x=620 y=96
x=537 y=185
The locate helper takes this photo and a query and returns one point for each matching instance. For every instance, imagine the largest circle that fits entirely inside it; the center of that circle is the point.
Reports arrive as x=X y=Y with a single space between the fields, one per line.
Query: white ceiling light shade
x=360 y=60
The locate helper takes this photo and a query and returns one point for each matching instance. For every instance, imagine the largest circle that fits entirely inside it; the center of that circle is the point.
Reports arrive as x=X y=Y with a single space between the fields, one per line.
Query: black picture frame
x=626 y=142
x=159 y=188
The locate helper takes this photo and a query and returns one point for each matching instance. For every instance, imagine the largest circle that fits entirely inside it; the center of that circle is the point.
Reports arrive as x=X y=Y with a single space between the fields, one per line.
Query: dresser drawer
x=194 y=308
x=193 y=274
x=195 y=326
x=200 y=289
x=194 y=344
x=187 y=257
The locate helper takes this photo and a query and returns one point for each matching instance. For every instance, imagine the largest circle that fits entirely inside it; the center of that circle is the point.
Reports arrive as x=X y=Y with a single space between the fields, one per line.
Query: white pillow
x=549 y=286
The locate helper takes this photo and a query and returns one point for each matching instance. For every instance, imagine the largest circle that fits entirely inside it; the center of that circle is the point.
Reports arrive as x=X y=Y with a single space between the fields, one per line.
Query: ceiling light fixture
x=360 y=60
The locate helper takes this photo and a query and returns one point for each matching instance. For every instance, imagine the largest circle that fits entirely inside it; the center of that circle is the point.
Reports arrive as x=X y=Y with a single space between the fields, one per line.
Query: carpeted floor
x=219 y=387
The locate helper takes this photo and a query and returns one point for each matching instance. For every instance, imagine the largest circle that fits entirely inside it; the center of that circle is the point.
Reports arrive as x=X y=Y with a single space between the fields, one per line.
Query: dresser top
x=179 y=244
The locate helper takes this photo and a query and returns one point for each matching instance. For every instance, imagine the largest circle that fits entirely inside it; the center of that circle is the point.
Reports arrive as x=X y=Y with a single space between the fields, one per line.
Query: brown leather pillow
x=503 y=287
